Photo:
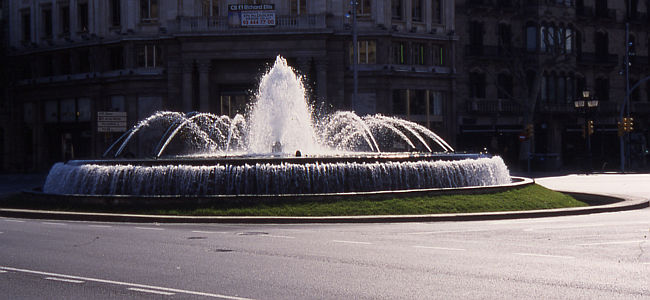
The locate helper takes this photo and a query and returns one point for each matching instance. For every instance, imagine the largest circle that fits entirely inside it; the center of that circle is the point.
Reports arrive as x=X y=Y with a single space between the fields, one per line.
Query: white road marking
x=544 y=255
x=3 y=271
x=100 y=226
x=446 y=231
x=440 y=248
x=281 y=236
x=646 y=263
x=125 y=284
x=351 y=242
x=1 y=232
x=53 y=223
x=612 y=243
x=150 y=228
x=208 y=232
x=64 y=280
x=152 y=291
x=13 y=220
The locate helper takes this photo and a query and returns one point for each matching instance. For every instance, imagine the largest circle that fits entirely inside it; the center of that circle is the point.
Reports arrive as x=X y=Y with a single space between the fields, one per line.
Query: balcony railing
x=221 y=24
x=601 y=59
x=493 y=106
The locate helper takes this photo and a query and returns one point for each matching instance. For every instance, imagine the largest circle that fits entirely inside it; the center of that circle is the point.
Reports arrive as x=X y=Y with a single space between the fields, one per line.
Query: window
x=436 y=99
x=570 y=89
x=64 y=16
x=399 y=102
x=68 y=111
x=505 y=40
x=363 y=7
x=115 y=13
x=47 y=65
x=298 y=7
x=399 y=53
x=396 y=9
x=367 y=52
x=602 y=89
x=82 y=12
x=602 y=44
x=476 y=85
x=436 y=11
x=418 y=102
x=568 y=40
x=149 y=56
x=504 y=86
x=418 y=54
x=51 y=111
x=116 y=58
x=438 y=55
x=475 y=38
x=634 y=9
x=561 y=89
x=210 y=8
x=531 y=38
x=148 y=11
x=417 y=6
x=46 y=22
x=83 y=56
x=26 y=25
x=601 y=8
x=63 y=59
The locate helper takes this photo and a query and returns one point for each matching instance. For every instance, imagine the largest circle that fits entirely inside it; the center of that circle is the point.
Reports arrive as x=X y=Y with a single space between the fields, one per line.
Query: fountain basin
x=281 y=175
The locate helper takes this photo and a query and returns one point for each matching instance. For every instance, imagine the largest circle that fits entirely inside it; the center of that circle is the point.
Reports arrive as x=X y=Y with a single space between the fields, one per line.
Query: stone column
x=204 y=87
x=188 y=68
x=321 y=78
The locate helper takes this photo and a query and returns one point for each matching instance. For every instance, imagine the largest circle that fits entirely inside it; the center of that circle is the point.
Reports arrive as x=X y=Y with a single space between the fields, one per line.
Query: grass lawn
x=527 y=198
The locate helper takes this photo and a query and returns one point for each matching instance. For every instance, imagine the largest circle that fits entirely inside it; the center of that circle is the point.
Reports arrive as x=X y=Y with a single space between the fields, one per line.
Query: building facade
x=73 y=59
x=523 y=63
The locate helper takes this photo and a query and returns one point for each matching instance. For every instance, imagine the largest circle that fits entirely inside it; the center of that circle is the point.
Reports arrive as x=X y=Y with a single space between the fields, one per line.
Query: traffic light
x=530 y=130
x=591 y=127
x=621 y=130
x=630 y=124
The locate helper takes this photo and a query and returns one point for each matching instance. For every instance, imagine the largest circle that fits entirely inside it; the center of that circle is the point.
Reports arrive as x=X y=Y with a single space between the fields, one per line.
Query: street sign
x=111 y=121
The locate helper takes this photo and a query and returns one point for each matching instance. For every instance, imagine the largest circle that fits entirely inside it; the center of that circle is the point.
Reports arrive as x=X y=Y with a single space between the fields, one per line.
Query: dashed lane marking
x=149 y=228
x=100 y=226
x=64 y=280
x=612 y=243
x=152 y=291
x=280 y=236
x=53 y=223
x=135 y=285
x=544 y=255
x=439 y=248
x=14 y=220
x=351 y=242
x=447 y=231
x=3 y=271
x=208 y=232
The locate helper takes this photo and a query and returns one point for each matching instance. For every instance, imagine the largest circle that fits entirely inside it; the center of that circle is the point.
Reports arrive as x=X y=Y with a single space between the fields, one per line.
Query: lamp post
x=585 y=105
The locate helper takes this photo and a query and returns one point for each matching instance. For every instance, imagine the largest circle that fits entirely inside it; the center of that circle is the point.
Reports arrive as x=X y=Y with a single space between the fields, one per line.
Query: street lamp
x=585 y=105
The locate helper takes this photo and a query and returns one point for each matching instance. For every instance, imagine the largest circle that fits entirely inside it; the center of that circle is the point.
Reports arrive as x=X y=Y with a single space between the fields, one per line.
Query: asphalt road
x=598 y=256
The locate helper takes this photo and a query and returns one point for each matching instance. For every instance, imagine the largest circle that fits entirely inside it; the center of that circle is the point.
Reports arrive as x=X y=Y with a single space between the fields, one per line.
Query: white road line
x=125 y=284
x=612 y=243
x=544 y=255
x=12 y=220
x=53 y=223
x=281 y=236
x=149 y=228
x=446 y=231
x=351 y=242
x=208 y=232
x=646 y=263
x=440 y=248
x=100 y=226
x=152 y=291
x=64 y=280
x=1 y=232
x=3 y=271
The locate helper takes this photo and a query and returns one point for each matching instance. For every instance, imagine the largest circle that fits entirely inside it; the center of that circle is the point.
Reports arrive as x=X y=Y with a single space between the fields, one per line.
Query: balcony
x=221 y=24
x=600 y=59
x=491 y=52
x=493 y=106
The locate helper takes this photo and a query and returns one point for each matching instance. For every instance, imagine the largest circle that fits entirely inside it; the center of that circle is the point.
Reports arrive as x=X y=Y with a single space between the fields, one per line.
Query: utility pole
x=626 y=101
x=355 y=56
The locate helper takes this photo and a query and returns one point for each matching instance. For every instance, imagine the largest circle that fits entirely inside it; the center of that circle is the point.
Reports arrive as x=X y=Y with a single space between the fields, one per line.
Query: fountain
x=279 y=147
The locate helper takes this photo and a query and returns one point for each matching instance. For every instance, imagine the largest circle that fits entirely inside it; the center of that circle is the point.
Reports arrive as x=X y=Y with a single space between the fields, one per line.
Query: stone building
x=525 y=62
x=73 y=59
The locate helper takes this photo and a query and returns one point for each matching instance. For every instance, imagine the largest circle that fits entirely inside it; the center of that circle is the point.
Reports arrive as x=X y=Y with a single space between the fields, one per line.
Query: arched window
x=531 y=38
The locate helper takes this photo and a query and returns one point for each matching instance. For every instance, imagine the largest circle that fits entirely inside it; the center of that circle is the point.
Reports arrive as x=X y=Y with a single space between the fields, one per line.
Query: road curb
x=620 y=204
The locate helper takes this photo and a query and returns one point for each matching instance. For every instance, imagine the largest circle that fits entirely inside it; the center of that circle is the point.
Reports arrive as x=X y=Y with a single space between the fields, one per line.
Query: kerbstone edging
x=620 y=204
